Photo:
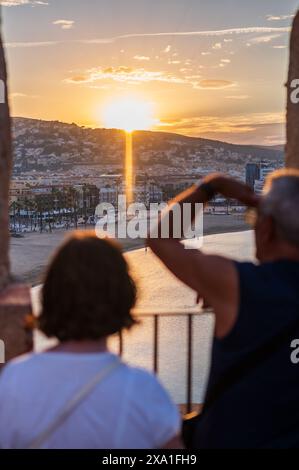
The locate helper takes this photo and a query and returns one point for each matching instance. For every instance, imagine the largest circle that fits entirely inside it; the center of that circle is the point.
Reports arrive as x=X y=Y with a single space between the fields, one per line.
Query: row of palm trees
x=60 y=208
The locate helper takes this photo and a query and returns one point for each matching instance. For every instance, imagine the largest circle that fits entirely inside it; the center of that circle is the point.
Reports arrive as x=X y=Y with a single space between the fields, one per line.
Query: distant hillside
x=52 y=145
x=275 y=147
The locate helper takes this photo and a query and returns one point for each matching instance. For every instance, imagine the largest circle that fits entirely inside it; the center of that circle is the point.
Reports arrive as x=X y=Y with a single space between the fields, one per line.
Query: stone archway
x=292 y=147
x=14 y=298
x=5 y=171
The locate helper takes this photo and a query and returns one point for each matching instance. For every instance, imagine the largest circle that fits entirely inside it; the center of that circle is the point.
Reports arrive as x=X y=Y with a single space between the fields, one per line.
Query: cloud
x=17 y=95
x=279 y=18
x=264 y=39
x=226 y=61
x=167 y=49
x=14 y=45
x=79 y=79
x=235 y=124
x=215 y=84
x=21 y=95
x=141 y=57
x=139 y=75
x=218 y=45
x=276 y=139
x=65 y=24
x=237 y=97
x=279 y=47
x=16 y=3
x=128 y=75
x=212 y=33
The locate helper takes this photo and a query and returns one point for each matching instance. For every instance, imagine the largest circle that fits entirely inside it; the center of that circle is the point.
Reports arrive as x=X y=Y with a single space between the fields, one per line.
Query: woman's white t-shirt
x=128 y=409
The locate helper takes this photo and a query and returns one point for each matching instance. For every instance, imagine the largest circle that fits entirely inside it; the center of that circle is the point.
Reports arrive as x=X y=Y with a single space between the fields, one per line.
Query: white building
x=108 y=194
x=264 y=172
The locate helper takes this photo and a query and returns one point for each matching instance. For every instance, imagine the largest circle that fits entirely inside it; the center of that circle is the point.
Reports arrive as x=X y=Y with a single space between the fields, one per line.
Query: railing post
x=189 y=351
x=156 y=342
x=121 y=344
x=190 y=362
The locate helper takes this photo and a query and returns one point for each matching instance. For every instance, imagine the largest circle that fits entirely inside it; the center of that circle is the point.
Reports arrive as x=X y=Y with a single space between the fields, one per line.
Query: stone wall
x=5 y=171
x=292 y=147
x=14 y=299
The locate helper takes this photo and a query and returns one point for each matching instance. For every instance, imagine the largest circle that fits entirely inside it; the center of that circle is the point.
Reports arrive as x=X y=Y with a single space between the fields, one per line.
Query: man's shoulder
x=249 y=270
x=268 y=268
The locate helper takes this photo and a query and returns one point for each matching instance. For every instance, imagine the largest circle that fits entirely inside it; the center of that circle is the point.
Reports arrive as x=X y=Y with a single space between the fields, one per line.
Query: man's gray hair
x=281 y=201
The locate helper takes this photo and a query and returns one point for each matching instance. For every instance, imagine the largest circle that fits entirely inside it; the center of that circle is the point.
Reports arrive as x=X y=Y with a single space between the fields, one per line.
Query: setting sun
x=129 y=114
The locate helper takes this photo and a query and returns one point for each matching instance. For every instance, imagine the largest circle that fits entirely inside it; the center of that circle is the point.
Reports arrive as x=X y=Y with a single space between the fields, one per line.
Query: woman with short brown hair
x=78 y=394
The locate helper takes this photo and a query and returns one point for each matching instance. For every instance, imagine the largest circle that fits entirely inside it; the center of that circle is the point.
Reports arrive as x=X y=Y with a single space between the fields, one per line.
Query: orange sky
x=205 y=71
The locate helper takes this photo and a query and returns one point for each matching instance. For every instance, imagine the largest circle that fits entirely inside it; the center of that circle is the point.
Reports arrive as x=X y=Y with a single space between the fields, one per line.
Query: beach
x=31 y=252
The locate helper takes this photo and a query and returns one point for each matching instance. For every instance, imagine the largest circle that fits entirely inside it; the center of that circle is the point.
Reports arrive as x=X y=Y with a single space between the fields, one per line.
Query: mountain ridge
x=54 y=145
x=183 y=136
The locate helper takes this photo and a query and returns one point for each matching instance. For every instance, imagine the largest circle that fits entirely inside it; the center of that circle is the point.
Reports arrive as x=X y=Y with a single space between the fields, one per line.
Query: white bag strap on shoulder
x=73 y=403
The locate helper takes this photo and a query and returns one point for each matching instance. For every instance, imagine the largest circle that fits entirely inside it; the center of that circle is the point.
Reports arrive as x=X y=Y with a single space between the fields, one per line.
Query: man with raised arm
x=253 y=387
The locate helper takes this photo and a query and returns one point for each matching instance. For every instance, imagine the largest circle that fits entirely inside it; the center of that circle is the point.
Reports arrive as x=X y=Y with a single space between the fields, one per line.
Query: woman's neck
x=81 y=347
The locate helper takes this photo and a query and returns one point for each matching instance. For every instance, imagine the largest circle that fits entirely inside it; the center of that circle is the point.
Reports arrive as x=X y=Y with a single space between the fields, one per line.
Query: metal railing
x=156 y=317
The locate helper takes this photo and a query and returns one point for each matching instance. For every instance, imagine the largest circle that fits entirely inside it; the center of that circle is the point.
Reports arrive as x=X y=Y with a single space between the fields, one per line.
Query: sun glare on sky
x=129 y=114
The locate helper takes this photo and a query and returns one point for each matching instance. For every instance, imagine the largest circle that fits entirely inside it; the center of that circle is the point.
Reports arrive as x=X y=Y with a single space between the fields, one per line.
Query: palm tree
x=13 y=206
x=72 y=202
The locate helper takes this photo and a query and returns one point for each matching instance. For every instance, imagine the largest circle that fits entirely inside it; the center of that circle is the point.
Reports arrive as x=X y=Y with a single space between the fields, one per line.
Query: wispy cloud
x=14 y=45
x=279 y=17
x=237 y=97
x=141 y=57
x=127 y=75
x=65 y=24
x=264 y=39
x=236 y=124
x=17 y=95
x=212 y=33
x=215 y=84
x=16 y=3
x=139 y=75
x=21 y=95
